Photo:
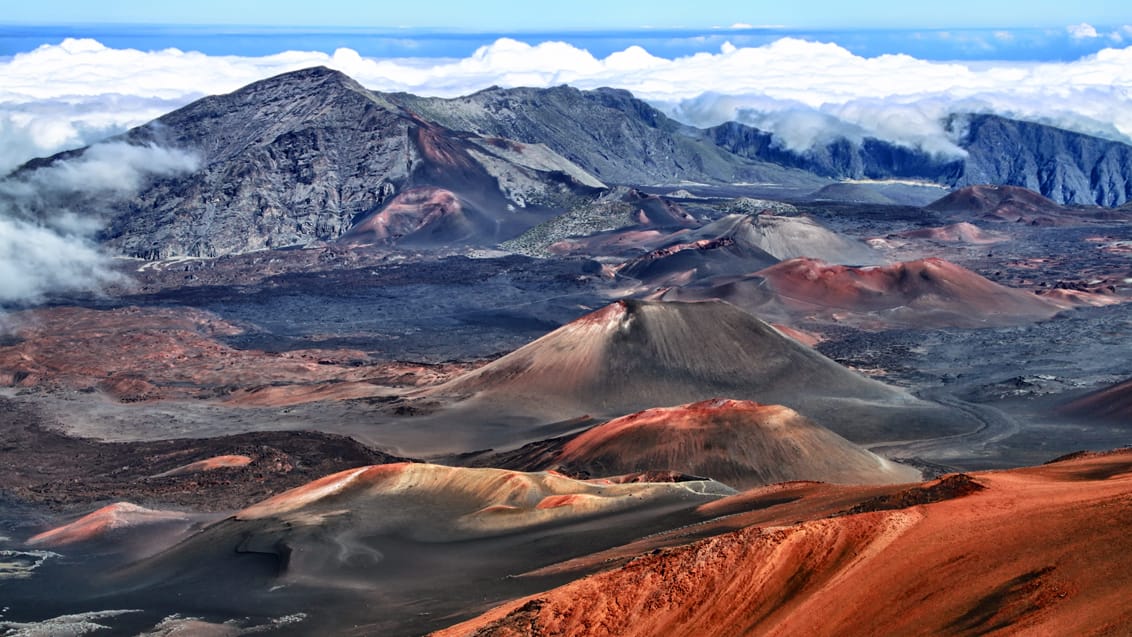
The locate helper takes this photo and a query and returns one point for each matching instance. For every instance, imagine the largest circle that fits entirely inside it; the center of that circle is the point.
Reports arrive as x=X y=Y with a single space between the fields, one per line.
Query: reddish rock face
x=408 y=212
x=1034 y=551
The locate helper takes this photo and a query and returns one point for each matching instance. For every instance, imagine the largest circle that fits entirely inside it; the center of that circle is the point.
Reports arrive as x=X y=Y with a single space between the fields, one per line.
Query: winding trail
x=994 y=427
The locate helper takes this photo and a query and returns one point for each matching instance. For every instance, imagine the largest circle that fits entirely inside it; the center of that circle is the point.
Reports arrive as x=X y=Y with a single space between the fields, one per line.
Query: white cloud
x=1083 y=31
x=47 y=248
x=805 y=91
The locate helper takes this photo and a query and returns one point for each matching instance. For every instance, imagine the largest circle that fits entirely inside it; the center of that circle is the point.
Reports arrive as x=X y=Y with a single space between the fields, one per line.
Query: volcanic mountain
x=788 y=238
x=634 y=355
x=740 y=443
x=924 y=292
x=608 y=132
x=303 y=156
x=683 y=263
x=998 y=203
x=1028 y=551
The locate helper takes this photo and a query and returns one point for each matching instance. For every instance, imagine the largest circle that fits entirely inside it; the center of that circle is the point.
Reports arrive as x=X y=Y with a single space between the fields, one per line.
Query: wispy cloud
x=1083 y=31
x=46 y=247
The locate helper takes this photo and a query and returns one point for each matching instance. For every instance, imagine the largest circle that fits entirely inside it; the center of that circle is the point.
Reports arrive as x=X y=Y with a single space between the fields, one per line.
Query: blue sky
x=493 y=15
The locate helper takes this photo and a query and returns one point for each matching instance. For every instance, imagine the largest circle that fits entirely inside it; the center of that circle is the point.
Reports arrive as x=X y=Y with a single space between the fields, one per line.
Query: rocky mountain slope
x=306 y=156
x=613 y=135
x=1068 y=167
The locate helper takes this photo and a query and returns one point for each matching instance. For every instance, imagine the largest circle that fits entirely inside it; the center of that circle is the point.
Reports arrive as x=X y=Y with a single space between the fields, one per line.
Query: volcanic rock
x=299 y=157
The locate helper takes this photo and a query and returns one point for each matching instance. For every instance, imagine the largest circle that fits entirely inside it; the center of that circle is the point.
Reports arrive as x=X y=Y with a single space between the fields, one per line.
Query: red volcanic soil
x=414 y=210
x=1001 y=203
x=1042 y=550
x=962 y=232
x=740 y=443
x=924 y=292
x=1111 y=403
x=208 y=464
x=100 y=523
x=136 y=354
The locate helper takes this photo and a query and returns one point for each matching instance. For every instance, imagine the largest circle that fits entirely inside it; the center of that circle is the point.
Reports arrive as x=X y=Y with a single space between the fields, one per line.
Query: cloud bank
x=804 y=91
x=46 y=246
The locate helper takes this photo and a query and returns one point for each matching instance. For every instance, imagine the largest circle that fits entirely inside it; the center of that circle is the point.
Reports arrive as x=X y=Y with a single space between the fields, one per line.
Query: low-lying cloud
x=49 y=216
x=804 y=91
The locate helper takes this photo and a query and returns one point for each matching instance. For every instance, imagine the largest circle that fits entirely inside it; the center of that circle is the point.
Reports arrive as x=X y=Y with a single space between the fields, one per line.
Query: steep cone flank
x=1006 y=203
x=740 y=443
x=98 y=524
x=1042 y=551
x=789 y=238
x=1112 y=403
x=925 y=292
x=633 y=355
x=682 y=263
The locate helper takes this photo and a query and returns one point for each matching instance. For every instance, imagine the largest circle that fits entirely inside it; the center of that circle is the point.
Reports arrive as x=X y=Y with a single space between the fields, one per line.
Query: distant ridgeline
x=313 y=156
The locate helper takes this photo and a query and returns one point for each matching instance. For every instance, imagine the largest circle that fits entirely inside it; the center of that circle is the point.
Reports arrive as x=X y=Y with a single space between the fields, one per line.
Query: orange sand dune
x=740 y=443
x=98 y=524
x=1037 y=551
